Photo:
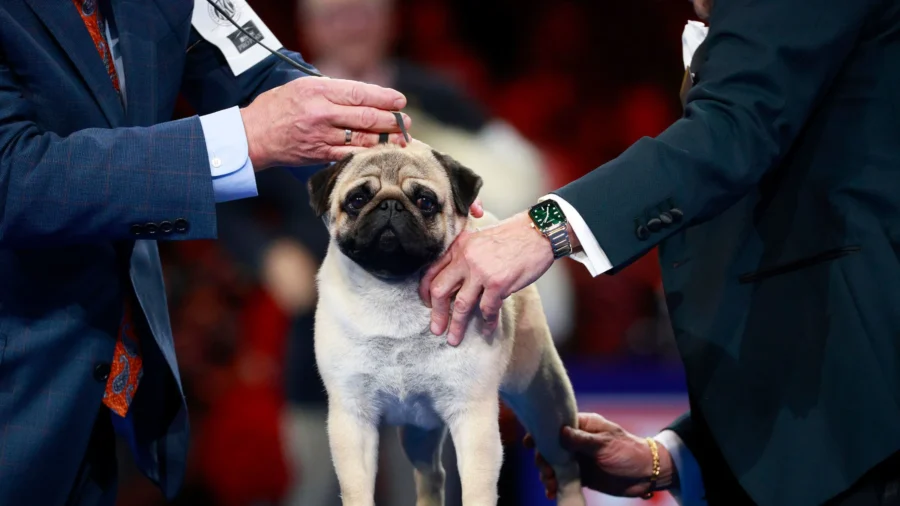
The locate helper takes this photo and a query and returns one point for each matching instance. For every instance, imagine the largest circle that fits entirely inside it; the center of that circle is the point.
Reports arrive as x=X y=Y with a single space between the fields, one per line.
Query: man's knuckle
x=318 y=116
x=359 y=139
x=461 y=305
x=440 y=291
x=355 y=95
x=477 y=272
x=368 y=119
x=495 y=284
x=605 y=438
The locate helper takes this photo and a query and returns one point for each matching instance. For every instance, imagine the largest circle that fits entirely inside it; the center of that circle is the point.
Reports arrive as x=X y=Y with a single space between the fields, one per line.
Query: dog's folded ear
x=465 y=182
x=321 y=184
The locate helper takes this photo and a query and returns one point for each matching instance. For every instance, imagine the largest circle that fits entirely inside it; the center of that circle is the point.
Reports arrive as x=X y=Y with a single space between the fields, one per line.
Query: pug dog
x=391 y=212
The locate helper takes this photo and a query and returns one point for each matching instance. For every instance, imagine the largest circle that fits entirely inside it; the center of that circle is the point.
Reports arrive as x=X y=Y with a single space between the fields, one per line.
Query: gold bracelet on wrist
x=654 y=474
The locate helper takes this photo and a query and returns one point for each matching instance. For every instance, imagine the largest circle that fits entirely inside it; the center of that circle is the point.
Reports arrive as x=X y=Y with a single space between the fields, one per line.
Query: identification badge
x=240 y=51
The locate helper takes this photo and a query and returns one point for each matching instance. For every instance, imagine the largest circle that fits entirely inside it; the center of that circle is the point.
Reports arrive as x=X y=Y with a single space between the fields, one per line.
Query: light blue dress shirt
x=229 y=160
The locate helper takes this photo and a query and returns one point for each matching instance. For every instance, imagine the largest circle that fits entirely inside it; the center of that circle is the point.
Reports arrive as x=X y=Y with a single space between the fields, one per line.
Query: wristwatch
x=549 y=219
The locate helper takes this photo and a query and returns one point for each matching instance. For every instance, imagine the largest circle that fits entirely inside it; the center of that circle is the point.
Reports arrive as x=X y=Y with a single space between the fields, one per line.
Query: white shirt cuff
x=592 y=255
x=229 y=159
x=690 y=490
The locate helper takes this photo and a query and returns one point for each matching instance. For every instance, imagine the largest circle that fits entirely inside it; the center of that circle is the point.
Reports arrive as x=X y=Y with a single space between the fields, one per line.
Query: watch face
x=547 y=214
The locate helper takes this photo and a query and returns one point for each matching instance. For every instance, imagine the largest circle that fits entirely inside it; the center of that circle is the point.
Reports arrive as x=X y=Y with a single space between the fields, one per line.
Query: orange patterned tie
x=90 y=14
x=126 y=369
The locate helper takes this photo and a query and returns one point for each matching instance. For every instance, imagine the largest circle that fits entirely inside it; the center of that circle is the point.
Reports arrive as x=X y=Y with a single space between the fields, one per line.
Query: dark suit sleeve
x=768 y=64
x=95 y=184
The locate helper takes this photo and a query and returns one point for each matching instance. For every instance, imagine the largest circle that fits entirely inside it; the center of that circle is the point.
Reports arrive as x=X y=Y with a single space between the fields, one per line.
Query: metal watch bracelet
x=559 y=241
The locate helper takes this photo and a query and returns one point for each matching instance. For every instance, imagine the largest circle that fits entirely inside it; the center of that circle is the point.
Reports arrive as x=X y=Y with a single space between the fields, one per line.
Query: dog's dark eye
x=357 y=201
x=426 y=204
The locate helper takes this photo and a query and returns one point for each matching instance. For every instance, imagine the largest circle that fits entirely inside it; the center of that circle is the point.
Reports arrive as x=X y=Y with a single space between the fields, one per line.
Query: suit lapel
x=139 y=59
x=64 y=22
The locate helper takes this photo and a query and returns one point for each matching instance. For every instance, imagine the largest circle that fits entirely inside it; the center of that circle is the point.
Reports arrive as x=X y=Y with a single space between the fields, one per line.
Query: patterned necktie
x=127 y=368
x=96 y=26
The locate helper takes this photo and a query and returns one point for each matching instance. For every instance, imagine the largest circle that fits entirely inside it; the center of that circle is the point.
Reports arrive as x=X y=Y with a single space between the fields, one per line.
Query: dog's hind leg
x=354 y=449
x=423 y=449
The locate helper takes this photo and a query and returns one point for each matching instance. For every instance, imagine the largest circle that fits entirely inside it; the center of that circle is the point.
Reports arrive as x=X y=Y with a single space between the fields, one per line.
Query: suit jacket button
x=666 y=218
x=655 y=224
x=181 y=225
x=642 y=232
x=137 y=229
x=101 y=372
x=151 y=228
x=677 y=215
x=166 y=227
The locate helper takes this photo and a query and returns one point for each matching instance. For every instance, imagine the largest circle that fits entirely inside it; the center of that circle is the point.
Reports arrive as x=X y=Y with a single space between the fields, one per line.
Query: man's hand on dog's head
x=306 y=121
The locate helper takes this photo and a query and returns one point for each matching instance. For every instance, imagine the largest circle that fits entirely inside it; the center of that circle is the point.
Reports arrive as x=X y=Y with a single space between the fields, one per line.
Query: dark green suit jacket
x=775 y=203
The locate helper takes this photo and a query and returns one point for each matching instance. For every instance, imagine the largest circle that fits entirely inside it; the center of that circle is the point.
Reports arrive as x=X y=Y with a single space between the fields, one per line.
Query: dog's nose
x=395 y=205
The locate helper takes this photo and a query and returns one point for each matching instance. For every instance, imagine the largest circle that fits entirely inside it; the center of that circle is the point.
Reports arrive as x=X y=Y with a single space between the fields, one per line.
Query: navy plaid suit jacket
x=77 y=172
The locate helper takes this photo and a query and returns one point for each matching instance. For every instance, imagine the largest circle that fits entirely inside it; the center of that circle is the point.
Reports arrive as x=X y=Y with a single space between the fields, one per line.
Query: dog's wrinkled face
x=394 y=210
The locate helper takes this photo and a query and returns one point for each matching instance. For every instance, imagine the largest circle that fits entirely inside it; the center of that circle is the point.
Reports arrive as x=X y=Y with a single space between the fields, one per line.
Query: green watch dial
x=546 y=215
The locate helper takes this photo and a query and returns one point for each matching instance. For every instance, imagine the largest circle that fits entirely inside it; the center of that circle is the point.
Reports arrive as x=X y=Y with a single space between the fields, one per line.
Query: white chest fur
x=384 y=371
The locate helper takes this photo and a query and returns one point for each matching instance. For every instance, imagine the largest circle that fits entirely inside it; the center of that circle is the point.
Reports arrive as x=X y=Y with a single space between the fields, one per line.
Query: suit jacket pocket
x=778 y=270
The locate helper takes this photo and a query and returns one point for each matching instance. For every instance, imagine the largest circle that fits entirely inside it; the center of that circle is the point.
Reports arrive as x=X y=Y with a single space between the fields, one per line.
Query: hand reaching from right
x=612 y=461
